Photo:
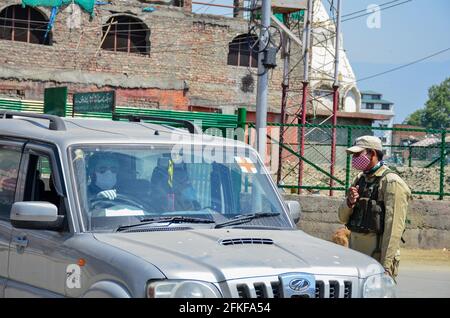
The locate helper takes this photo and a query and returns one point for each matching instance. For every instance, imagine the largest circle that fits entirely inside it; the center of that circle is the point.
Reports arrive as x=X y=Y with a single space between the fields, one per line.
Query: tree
x=415 y=118
x=436 y=113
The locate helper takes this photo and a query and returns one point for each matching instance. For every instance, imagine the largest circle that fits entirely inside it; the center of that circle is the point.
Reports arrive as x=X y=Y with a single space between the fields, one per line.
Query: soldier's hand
x=353 y=196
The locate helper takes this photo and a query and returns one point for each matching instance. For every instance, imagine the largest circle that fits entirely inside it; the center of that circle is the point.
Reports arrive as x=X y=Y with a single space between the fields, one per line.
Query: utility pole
x=306 y=50
x=335 y=94
x=263 y=82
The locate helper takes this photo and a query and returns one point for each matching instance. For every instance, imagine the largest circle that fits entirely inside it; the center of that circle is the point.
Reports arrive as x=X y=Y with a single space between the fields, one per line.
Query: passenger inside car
x=171 y=188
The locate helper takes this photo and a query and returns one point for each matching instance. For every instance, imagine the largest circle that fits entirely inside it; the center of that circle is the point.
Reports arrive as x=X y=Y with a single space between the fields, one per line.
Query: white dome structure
x=322 y=64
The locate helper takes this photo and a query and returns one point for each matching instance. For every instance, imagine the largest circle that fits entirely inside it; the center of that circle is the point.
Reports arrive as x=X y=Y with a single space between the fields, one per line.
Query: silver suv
x=97 y=208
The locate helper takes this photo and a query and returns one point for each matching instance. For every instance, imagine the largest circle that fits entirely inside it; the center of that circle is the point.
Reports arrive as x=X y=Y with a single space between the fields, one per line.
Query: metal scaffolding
x=301 y=100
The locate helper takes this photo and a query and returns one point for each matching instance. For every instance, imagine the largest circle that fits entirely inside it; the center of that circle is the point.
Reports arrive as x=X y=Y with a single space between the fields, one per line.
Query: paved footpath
x=424 y=274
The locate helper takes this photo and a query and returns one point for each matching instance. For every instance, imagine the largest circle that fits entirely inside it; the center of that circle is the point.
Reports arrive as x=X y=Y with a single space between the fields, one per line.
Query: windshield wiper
x=164 y=219
x=245 y=218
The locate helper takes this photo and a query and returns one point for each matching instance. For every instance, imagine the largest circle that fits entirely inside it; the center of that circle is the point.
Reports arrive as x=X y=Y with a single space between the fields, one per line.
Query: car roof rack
x=56 y=123
x=192 y=128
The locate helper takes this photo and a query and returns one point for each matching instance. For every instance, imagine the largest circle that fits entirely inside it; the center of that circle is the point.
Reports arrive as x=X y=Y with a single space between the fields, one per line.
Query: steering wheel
x=121 y=198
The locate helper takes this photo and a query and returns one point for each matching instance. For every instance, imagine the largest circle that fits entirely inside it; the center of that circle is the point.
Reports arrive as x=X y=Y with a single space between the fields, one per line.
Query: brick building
x=404 y=138
x=153 y=55
x=167 y=58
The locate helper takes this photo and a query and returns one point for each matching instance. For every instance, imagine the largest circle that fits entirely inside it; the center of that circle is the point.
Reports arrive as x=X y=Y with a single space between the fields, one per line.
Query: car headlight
x=379 y=286
x=182 y=289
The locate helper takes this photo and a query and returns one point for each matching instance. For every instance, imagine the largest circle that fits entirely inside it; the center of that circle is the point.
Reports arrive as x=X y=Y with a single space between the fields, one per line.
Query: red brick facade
x=186 y=68
x=399 y=135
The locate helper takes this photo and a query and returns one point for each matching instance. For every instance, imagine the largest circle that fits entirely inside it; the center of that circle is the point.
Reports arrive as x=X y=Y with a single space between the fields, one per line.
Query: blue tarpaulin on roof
x=86 y=5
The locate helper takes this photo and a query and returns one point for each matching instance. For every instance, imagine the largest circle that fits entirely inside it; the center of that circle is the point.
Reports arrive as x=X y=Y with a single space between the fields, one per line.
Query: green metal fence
x=424 y=165
x=220 y=122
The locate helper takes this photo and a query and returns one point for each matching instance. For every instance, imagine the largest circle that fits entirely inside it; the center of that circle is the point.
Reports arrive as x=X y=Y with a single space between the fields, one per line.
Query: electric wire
x=404 y=65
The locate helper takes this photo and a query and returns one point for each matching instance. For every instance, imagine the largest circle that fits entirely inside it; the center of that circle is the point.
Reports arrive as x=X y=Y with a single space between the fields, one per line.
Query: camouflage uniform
x=395 y=194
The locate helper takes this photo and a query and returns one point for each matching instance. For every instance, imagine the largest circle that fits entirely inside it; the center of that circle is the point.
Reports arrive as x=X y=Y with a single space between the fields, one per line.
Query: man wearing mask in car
x=103 y=173
x=376 y=205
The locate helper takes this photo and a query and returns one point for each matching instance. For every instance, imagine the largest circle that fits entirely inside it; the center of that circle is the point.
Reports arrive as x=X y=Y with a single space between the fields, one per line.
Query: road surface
x=424 y=274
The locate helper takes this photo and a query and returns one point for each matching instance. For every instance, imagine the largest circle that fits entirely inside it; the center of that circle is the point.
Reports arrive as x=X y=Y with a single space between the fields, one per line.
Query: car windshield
x=122 y=185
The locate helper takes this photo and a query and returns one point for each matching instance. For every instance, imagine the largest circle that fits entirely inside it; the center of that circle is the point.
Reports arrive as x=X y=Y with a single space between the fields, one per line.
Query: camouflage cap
x=365 y=142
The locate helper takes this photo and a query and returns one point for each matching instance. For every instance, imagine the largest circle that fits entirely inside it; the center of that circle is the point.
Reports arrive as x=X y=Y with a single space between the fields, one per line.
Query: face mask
x=105 y=180
x=361 y=162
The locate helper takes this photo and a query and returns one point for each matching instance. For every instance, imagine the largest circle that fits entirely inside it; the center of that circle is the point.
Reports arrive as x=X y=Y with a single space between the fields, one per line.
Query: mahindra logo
x=299 y=284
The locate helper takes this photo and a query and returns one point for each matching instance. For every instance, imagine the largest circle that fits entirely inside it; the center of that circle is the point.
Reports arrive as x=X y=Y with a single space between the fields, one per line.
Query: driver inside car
x=103 y=173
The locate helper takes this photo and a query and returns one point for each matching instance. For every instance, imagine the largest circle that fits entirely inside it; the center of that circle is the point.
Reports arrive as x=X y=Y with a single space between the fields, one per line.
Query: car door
x=10 y=155
x=38 y=258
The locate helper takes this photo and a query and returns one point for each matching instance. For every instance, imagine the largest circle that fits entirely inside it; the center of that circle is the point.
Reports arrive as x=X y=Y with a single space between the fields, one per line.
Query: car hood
x=199 y=254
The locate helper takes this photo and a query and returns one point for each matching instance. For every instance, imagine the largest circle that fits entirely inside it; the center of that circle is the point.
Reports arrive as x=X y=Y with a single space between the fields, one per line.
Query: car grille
x=325 y=288
x=334 y=288
x=259 y=290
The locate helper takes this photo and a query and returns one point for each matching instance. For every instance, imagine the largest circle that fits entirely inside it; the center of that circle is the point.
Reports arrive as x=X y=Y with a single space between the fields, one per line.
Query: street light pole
x=263 y=83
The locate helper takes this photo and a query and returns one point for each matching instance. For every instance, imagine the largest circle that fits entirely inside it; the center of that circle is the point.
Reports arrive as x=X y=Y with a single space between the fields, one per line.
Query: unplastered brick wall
x=138 y=97
x=187 y=48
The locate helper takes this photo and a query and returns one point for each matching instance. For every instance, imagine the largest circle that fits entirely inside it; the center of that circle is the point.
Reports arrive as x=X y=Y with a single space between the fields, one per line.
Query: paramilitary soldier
x=376 y=205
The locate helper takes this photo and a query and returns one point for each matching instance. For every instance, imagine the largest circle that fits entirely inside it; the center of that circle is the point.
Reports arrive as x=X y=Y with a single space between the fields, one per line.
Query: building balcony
x=389 y=112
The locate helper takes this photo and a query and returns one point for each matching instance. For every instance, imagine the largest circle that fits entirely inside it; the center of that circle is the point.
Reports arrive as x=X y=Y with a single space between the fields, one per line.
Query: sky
x=406 y=33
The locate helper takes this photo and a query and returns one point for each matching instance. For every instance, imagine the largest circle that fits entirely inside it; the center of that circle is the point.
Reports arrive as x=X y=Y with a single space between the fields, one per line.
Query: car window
x=9 y=168
x=122 y=184
x=39 y=184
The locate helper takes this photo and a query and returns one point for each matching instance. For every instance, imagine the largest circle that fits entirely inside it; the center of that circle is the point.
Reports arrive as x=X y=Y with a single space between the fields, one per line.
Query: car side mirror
x=36 y=215
x=294 y=210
